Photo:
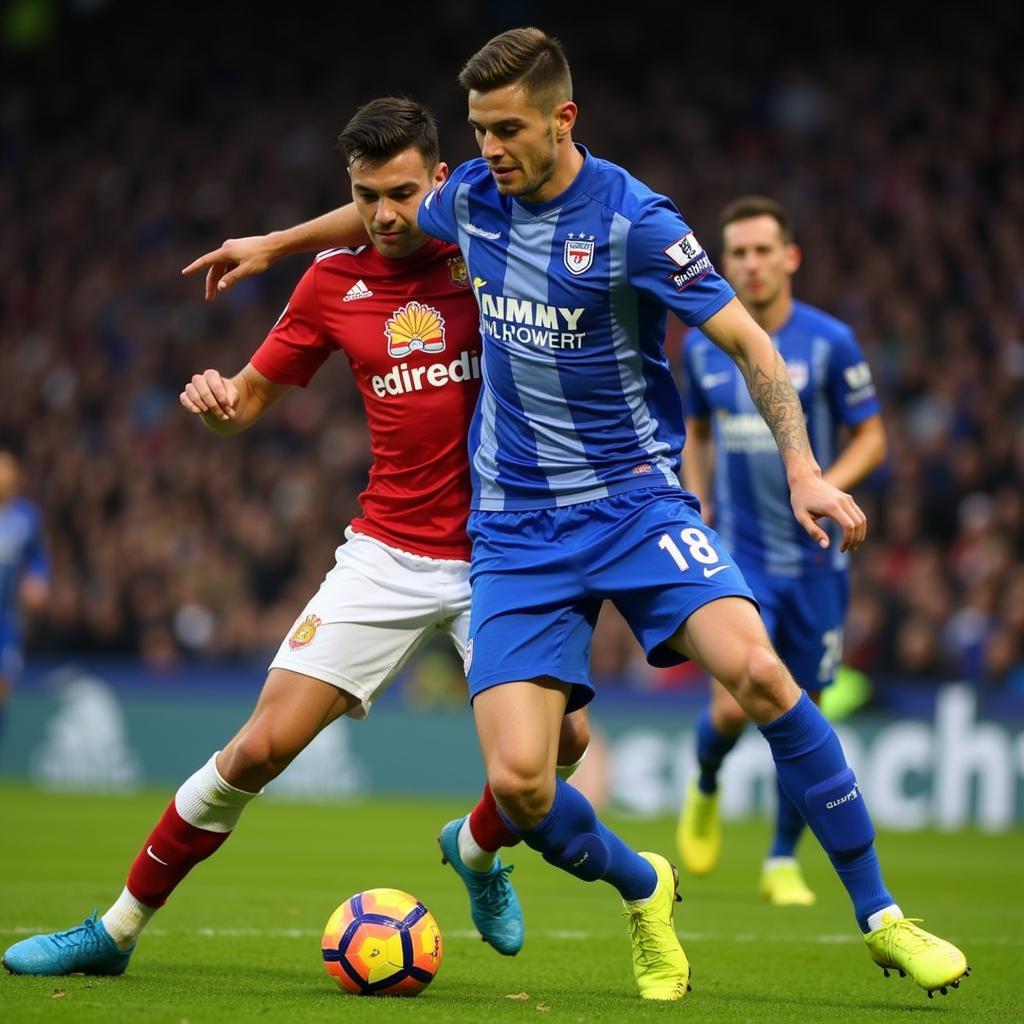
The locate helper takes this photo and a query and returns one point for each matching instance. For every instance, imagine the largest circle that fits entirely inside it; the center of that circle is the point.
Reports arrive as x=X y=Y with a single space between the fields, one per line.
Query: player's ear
x=565 y=118
x=794 y=257
x=441 y=174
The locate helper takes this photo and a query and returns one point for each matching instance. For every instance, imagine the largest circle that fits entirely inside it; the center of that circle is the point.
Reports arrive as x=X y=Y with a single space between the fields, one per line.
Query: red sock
x=487 y=825
x=172 y=850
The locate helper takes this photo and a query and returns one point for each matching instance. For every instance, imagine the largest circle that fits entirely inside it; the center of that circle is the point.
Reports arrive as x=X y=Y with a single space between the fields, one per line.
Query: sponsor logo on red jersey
x=414 y=327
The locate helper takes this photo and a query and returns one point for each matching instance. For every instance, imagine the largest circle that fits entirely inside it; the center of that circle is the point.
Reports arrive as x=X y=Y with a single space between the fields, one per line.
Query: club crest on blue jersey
x=799 y=373
x=578 y=255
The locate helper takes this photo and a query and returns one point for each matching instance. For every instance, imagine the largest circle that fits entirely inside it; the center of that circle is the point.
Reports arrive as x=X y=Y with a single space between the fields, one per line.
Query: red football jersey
x=410 y=329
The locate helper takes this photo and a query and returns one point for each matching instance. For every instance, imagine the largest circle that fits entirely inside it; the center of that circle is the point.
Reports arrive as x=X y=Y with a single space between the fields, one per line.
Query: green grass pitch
x=239 y=940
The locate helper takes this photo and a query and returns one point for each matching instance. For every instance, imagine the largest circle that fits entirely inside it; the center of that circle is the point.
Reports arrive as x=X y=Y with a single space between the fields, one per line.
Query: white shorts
x=373 y=611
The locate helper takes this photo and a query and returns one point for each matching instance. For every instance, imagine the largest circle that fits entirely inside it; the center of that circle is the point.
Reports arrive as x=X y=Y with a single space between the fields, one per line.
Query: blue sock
x=789 y=825
x=712 y=746
x=571 y=837
x=813 y=771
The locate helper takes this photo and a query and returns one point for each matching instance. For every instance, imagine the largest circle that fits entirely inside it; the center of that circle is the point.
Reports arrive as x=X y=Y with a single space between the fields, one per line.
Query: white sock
x=778 y=862
x=207 y=801
x=125 y=920
x=875 y=920
x=473 y=855
x=565 y=771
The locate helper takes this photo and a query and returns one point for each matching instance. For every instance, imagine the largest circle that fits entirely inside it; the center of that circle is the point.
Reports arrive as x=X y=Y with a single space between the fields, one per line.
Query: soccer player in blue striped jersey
x=733 y=467
x=575 y=448
x=24 y=571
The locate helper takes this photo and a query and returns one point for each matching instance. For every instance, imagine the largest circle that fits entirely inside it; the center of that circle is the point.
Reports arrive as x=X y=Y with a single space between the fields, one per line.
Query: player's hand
x=237 y=258
x=814 y=498
x=210 y=394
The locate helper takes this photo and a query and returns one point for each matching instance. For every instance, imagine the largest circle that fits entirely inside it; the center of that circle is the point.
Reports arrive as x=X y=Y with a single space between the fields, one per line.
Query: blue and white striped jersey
x=579 y=401
x=751 y=495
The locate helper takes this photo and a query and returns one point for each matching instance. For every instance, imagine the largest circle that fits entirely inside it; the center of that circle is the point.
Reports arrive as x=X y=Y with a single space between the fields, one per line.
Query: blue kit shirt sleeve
x=851 y=388
x=437 y=209
x=668 y=264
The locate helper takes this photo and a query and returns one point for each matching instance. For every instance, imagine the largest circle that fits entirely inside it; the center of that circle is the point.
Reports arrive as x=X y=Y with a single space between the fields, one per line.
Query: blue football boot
x=84 y=949
x=493 y=903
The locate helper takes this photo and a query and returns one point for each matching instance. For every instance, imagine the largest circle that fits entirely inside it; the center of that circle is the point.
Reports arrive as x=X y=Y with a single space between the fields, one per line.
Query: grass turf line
x=239 y=939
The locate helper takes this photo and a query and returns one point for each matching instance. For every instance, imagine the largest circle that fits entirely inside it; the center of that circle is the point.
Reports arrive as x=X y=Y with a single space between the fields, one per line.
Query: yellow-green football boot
x=783 y=885
x=899 y=945
x=699 y=834
x=659 y=964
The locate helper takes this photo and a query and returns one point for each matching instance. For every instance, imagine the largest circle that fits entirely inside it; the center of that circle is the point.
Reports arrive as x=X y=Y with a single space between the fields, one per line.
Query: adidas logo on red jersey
x=357 y=291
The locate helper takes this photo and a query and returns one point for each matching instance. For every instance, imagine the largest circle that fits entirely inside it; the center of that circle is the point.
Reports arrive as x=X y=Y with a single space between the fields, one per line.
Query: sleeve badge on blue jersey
x=684 y=251
x=578 y=254
x=693 y=262
x=857 y=376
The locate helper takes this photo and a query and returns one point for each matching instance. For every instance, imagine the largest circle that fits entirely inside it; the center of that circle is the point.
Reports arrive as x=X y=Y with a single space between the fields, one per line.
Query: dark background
x=135 y=136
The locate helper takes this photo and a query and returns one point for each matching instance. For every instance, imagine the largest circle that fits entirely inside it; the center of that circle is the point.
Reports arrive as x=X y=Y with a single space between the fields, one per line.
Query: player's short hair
x=525 y=56
x=385 y=127
x=747 y=207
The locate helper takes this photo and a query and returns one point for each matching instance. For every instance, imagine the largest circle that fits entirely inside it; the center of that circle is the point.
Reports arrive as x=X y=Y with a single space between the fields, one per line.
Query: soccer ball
x=382 y=942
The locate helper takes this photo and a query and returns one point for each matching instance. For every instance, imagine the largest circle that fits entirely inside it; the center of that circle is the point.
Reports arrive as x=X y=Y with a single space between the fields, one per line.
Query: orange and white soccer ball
x=382 y=942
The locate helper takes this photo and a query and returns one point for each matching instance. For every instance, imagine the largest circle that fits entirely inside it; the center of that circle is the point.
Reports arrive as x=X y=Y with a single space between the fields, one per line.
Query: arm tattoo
x=777 y=401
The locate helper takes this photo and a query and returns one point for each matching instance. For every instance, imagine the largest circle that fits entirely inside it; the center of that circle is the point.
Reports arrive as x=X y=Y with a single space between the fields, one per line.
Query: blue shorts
x=804 y=617
x=539 y=577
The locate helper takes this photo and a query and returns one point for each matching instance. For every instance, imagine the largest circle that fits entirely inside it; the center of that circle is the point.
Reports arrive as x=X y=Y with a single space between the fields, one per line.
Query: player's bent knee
x=836 y=811
x=765 y=669
x=524 y=797
x=765 y=682
x=254 y=753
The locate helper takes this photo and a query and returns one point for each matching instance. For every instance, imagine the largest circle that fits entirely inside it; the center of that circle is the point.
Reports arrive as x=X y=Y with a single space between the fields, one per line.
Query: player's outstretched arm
x=229 y=405
x=864 y=452
x=238 y=258
x=811 y=496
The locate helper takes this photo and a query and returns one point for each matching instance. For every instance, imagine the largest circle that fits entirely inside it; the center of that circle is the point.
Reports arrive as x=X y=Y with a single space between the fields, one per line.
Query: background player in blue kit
x=575 y=449
x=732 y=465
x=24 y=571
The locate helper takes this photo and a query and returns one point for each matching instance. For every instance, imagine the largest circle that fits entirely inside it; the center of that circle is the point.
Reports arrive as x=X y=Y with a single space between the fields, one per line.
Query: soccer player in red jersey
x=404 y=315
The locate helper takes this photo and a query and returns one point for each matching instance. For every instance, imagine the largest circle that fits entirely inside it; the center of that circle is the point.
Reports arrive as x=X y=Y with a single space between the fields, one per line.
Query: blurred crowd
x=129 y=144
